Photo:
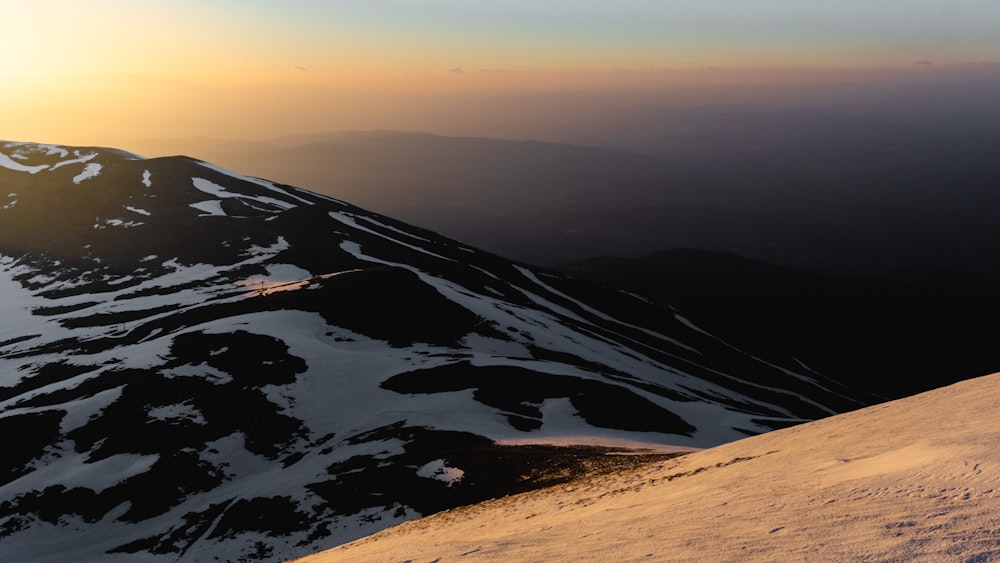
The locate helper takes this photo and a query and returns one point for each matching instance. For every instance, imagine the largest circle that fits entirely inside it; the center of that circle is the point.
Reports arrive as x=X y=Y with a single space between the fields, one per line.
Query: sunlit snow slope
x=198 y=364
x=917 y=479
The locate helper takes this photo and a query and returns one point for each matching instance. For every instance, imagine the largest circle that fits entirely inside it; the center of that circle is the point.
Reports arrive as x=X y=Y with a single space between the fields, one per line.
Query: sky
x=75 y=71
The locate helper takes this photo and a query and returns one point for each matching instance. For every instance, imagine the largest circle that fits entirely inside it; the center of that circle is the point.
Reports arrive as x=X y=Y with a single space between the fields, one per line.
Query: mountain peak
x=197 y=363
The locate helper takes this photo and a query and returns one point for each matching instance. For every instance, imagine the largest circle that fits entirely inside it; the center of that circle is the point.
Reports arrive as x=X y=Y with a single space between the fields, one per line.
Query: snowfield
x=916 y=479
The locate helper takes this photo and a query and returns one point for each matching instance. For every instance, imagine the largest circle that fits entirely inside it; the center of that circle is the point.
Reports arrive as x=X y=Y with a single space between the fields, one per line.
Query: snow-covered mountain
x=196 y=364
x=917 y=479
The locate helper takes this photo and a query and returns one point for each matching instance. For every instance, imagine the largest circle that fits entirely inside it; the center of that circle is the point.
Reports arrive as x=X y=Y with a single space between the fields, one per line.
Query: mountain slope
x=199 y=364
x=911 y=480
x=860 y=330
x=474 y=189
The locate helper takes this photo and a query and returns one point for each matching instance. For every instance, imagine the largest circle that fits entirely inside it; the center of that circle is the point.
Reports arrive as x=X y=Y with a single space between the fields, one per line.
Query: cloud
x=456 y=70
x=923 y=62
x=301 y=68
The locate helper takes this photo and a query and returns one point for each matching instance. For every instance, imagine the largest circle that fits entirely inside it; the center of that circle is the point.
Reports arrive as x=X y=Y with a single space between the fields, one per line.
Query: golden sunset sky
x=110 y=70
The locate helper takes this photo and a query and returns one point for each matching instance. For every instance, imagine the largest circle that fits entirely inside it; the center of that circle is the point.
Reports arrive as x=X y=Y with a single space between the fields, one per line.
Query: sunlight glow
x=111 y=68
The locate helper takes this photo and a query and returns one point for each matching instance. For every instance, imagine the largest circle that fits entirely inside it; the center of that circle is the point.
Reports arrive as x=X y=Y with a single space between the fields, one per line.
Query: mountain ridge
x=215 y=365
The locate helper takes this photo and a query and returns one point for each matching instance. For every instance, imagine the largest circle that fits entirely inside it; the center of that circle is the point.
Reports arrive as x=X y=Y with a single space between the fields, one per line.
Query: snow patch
x=210 y=208
x=439 y=470
x=531 y=276
x=349 y=220
x=181 y=412
x=89 y=171
x=216 y=190
x=80 y=159
x=7 y=162
x=259 y=181
x=96 y=475
x=52 y=150
x=285 y=277
x=122 y=223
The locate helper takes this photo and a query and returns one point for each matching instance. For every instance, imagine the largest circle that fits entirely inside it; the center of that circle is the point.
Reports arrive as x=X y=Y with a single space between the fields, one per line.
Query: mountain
x=200 y=365
x=856 y=329
x=898 y=195
x=910 y=480
x=556 y=196
x=851 y=238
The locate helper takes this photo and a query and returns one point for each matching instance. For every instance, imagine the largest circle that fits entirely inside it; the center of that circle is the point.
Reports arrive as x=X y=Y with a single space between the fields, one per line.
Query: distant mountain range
x=886 y=195
x=197 y=364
